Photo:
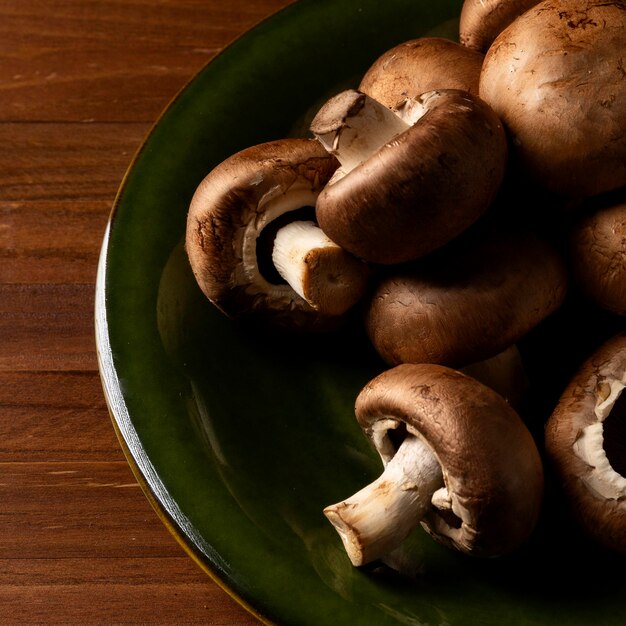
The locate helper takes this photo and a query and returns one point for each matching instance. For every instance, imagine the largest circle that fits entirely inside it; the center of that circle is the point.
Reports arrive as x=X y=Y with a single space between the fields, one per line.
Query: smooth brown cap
x=489 y=460
x=482 y=21
x=598 y=255
x=226 y=212
x=421 y=189
x=604 y=519
x=420 y=65
x=466 y=302
x=556 y=78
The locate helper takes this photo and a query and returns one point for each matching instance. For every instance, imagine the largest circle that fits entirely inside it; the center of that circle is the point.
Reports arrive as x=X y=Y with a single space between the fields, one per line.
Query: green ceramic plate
x=240 y=437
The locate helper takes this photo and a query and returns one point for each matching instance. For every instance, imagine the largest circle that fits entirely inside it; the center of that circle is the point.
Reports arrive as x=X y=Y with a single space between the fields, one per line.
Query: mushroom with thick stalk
x=410 y=180
x=586 y=444
x=420 y=65
x=598 y=253
x=556 y=78
x=458 y=459
x=482 y=21
x=310 y=281
x=466 y=302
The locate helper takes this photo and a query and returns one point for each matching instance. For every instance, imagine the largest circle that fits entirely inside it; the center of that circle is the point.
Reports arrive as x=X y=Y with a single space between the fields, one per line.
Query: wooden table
x=81 y=82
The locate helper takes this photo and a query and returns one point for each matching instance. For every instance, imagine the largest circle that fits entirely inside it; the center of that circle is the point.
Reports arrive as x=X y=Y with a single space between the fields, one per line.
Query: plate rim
x=154 y=491
x=166 y=508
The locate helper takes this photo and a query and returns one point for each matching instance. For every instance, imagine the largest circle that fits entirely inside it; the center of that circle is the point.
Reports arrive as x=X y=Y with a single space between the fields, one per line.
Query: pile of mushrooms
x=406 y=207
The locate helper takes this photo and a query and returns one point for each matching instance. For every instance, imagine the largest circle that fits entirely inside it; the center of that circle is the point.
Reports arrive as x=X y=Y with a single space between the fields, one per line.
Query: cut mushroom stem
x=379 y=517
x=352 y=126
x=330 y=279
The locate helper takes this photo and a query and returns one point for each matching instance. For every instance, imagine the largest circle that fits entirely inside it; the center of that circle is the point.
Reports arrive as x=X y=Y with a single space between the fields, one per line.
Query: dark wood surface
x=81 y=82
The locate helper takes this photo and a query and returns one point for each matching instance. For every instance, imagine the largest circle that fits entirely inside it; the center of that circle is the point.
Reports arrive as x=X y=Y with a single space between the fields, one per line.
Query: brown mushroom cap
x=598 y=256
x=556 y=78
x=420 y=65
x=490 y=463
x=228 y=211
x=593 y=476
x=422 y=188
x=482 y=21
x=467 y=302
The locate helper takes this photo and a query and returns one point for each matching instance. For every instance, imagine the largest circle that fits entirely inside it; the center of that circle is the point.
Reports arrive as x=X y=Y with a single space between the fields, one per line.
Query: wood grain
x=42 y=413
x=55 y=321
x=62 y=591
x=81 y=84
x=46 y=242
x=107 y=60
x=66 y=162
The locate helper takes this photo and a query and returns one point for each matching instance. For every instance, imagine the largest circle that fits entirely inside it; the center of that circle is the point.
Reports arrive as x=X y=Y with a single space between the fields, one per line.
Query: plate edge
x=144 y=472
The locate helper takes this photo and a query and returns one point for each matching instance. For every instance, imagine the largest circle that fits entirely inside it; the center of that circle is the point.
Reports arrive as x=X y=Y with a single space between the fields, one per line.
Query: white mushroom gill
x=352 y=126
x=379 y=517
x=589 y=446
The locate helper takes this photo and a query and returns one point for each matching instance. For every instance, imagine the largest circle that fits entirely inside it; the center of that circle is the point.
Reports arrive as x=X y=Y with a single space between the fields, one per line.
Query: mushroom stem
x=379 y=517
x=330 y=279
x=352 y=126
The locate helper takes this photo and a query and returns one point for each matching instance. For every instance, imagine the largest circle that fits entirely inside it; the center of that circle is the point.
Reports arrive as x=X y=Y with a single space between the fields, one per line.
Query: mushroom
x=598 y=253
x=312 y=280
x=409 y=181
x=457 y=459
x=504 y=373
x=555 y=77
x=466 y=302
x=586 y=444
x=420 y=65
x=482 y=21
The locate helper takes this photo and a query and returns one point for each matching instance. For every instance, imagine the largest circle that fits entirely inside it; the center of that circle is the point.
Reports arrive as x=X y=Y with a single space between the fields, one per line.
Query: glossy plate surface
x=240 y=437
